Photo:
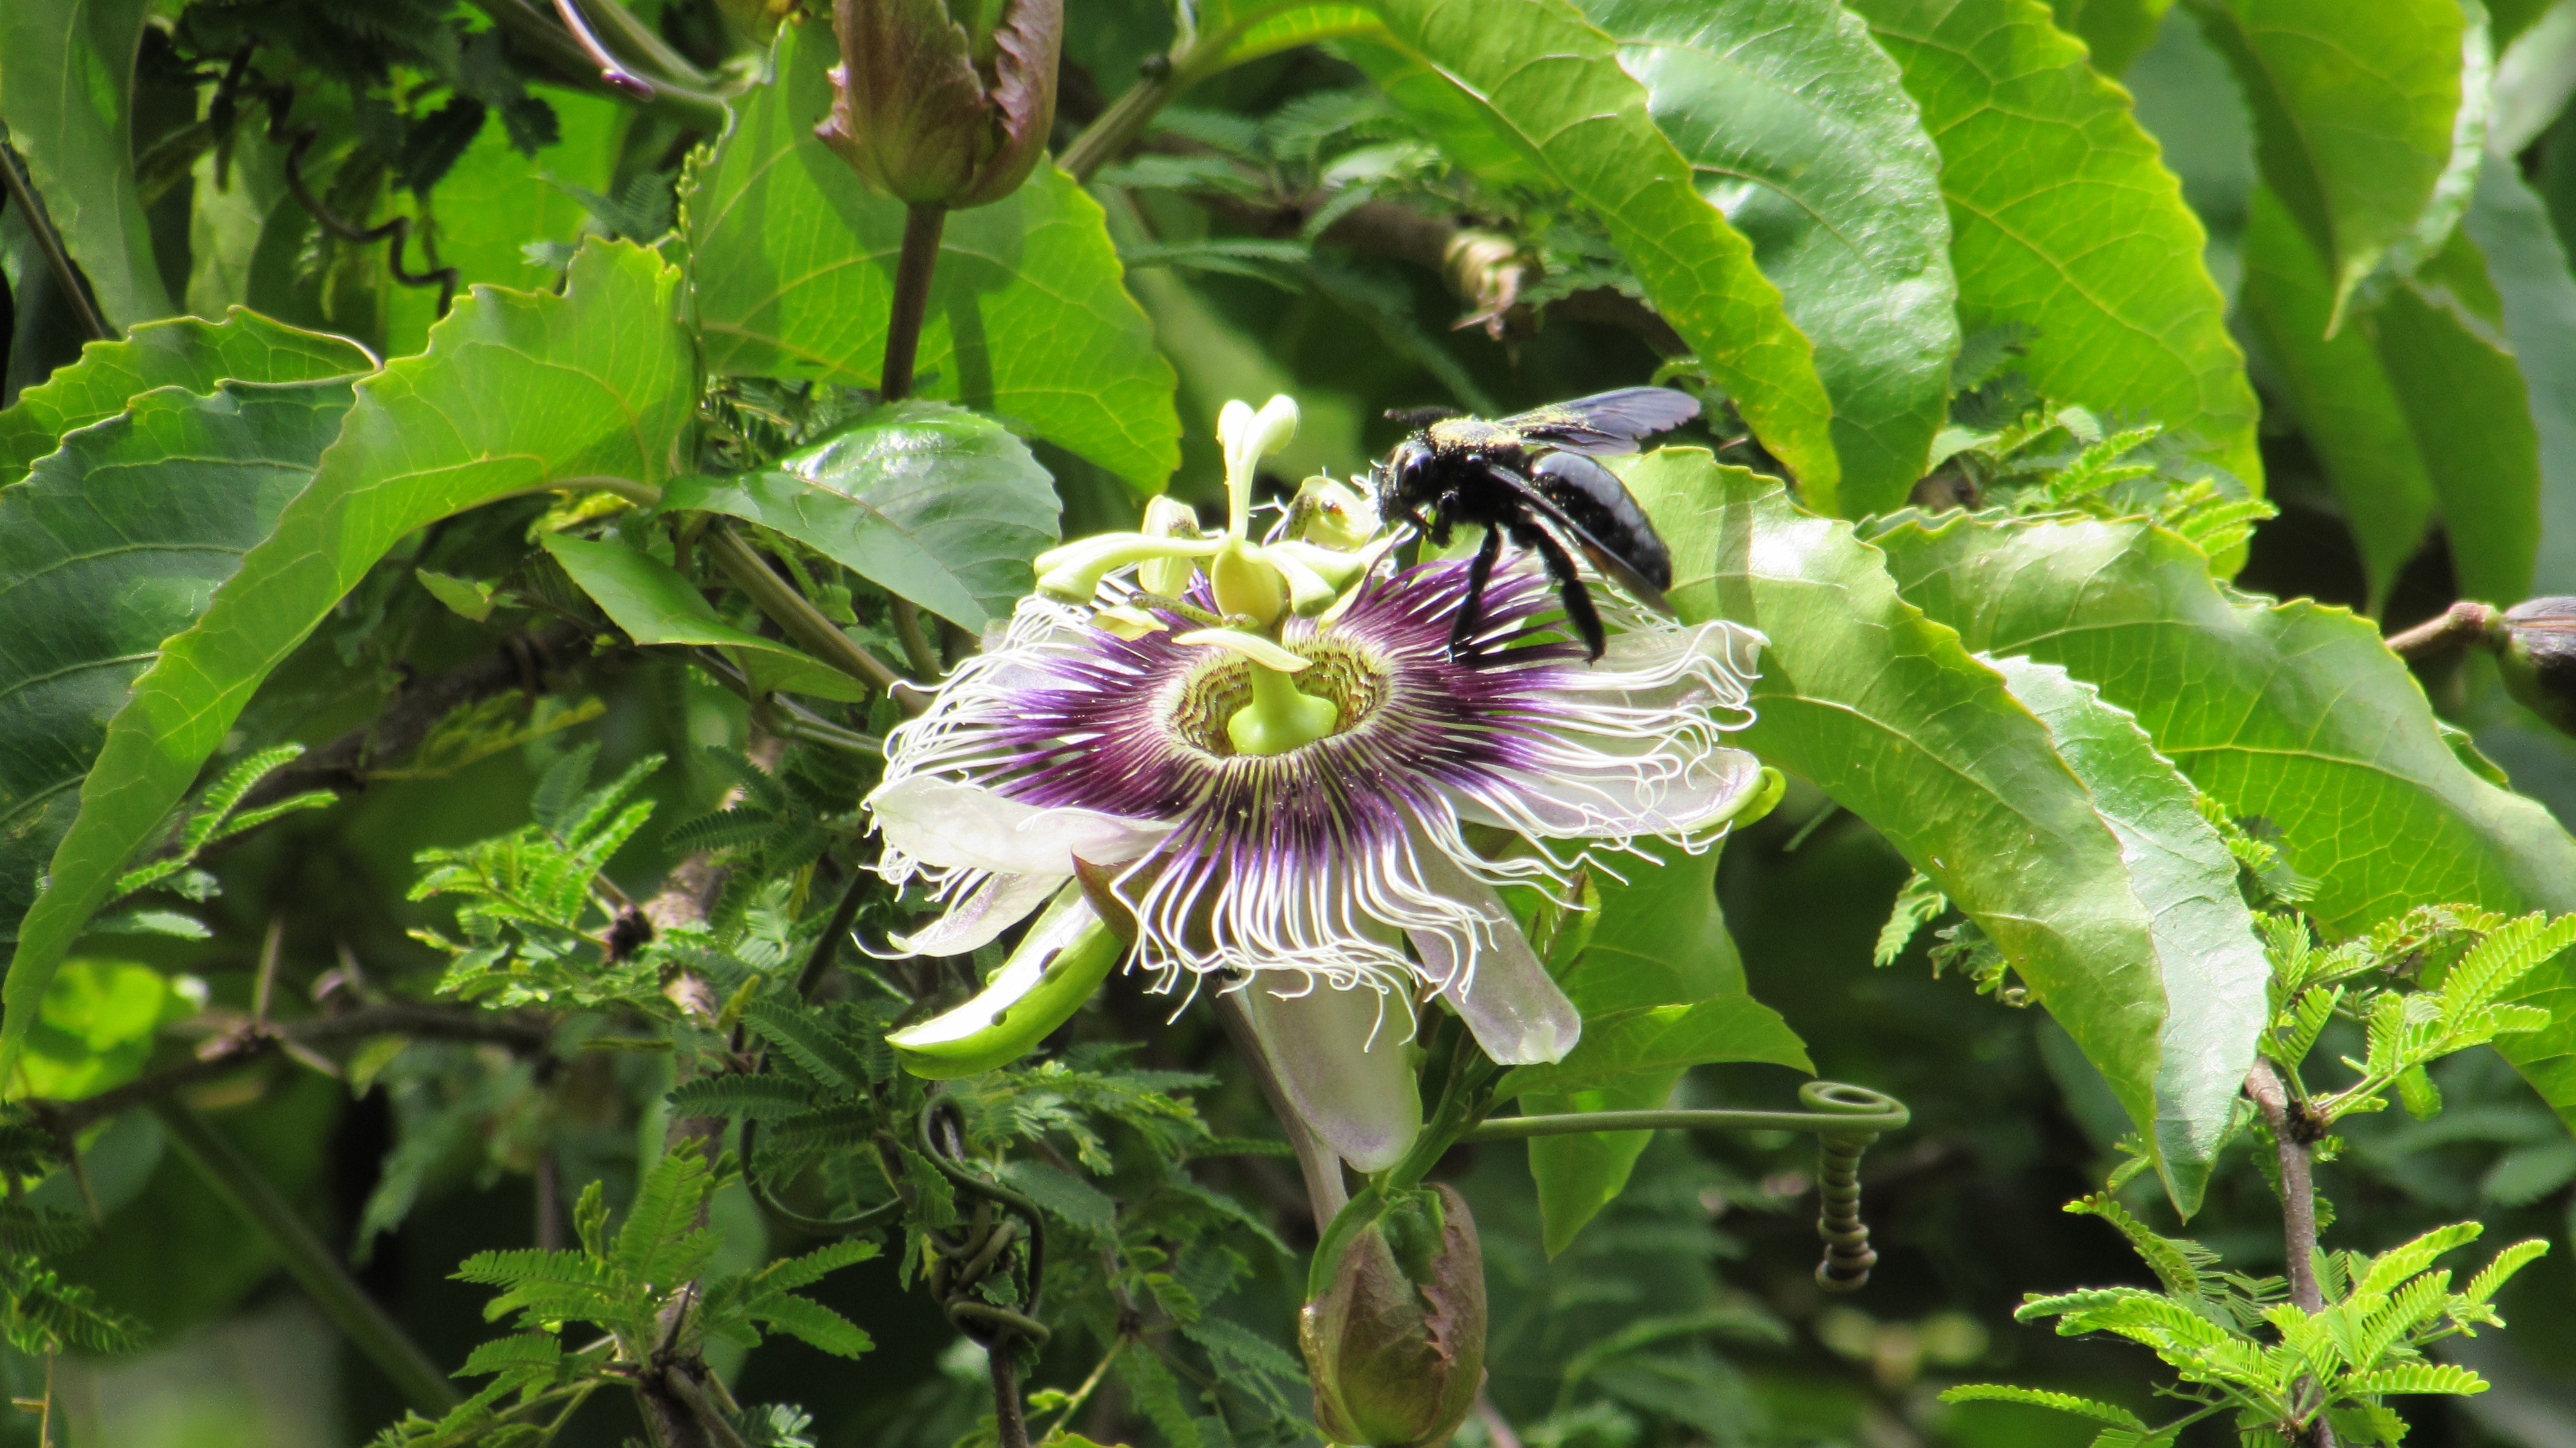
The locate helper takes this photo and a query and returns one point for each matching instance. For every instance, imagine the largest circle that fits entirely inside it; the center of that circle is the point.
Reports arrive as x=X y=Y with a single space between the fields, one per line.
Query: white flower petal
x=1339 y=1059
x=947 y=825
x=994 y=906
x=1615 y=797
x=1501 y=989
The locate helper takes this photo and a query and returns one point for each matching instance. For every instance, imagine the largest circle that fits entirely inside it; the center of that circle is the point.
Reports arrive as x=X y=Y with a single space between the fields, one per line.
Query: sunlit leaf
x=655 y=605
x=2354 y=151
x=2042 y=813
x=1799 y=127
x=2065 y=223
x=2292 y=712
x=179 y=352
x=1552 y=88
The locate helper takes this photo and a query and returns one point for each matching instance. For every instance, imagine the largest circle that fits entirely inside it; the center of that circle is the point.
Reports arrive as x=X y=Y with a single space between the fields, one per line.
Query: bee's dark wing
x=1417 y=417
x=1606 y=423
x=1602 y=555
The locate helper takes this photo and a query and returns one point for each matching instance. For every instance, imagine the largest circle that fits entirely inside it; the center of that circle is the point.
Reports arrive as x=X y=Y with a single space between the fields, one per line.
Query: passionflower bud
x=1394 y=1323
x=944 y=102
x=2538 y=658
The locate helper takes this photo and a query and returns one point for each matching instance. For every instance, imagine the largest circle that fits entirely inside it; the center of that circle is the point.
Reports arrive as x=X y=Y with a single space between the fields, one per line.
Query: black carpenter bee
x=1531 y=477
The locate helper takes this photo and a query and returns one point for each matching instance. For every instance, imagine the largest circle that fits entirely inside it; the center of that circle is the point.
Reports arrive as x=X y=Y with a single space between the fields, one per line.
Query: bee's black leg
x=1569 y=587
x=1443 y=514
x=1479 y=568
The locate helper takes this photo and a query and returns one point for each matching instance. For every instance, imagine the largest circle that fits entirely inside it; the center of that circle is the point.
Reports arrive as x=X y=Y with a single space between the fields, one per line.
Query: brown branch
x=343 y=764
x=2462 y=624
x=253 y=1041
x=2293 y=1139
x=21 y=191
x=2298 y=1188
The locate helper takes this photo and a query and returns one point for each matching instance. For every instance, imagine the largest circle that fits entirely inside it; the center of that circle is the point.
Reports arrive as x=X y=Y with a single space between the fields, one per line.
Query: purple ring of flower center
x=1137 y=727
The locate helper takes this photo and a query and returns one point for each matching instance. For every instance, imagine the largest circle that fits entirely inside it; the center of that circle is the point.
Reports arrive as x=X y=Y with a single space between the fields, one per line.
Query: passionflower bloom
x=1281 y=804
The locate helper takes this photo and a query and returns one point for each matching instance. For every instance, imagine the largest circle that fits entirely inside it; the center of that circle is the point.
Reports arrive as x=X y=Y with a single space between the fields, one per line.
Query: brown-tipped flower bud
x=944 y=102
x=1394 y=1323
x=2538 y=658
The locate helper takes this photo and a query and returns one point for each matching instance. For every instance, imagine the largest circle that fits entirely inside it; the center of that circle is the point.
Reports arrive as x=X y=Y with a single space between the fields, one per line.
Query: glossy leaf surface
x=934 y=503
x=1552 y=88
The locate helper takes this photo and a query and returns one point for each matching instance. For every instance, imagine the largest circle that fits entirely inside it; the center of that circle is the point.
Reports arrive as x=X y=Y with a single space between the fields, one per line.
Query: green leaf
x=527 y=1350
x=465 y=597
x=2065 y=223
x=2293 y=712
x=2042 y=814
x=178 y=352
x=2342 y=394
x=2441 y=333
x=2042 y=1398
x=1278 y=30
x=112 y=545
x=1551 y=87
x=497 y=199
x=2353 y=150
x=655 y=1240
x=2529 y=267
x=1579 y=1173
x=2115 y=31
x=1797 y=124
x=923 y=499
x=2413 y=1378
x=66 y=86
x=812 y=1321
x=96 y=1028
x=793 y=268
x=2415 y=403
x=1066 y=1195
x=655 y=605
x=1660 y=940
x=517 y=392
x=1662 y=1041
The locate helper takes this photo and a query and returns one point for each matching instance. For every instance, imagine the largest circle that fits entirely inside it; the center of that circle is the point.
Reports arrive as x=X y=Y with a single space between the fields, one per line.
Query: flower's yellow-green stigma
x=1280 y=716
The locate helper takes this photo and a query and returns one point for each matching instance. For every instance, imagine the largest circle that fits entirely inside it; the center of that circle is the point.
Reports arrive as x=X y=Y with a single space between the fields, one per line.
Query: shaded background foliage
x=1314 y=220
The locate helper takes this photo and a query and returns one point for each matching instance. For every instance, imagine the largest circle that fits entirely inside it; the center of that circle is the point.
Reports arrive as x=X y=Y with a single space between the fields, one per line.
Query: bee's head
x=1406 y=475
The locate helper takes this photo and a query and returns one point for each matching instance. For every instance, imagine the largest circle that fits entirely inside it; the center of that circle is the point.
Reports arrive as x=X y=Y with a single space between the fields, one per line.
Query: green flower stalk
x=944 y=104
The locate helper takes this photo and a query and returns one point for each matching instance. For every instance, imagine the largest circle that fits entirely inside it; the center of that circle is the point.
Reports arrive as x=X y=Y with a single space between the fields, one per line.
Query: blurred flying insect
x=1531 y=477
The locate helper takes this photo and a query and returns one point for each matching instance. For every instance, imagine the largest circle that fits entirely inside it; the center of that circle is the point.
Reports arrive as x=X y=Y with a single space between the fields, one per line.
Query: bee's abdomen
x=1594 y=497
